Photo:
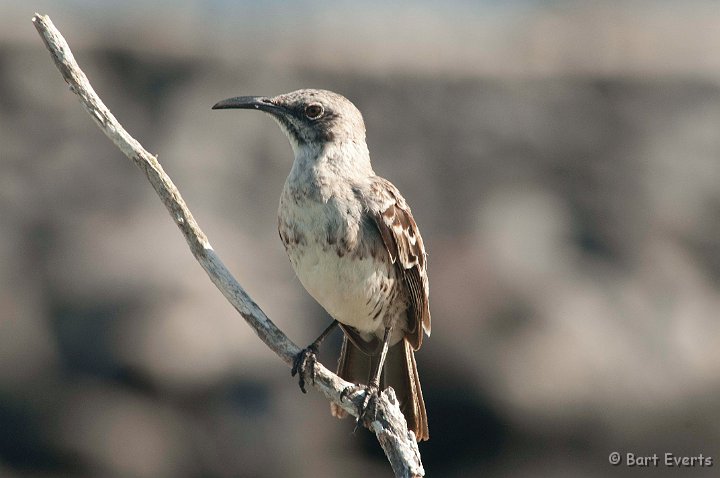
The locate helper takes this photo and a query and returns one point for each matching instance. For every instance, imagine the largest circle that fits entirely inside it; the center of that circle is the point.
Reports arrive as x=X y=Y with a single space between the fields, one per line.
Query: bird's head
x=308 y=117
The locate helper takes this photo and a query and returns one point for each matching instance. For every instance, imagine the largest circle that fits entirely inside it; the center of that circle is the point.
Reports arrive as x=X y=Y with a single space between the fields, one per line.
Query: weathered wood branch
x=388 y=423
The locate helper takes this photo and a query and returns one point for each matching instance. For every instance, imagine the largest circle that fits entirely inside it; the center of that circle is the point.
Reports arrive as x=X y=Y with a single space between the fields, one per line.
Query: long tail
x=400 y=373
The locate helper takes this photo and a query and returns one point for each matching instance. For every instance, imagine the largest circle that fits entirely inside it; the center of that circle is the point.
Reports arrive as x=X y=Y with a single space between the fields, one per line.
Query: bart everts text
x=655 y=460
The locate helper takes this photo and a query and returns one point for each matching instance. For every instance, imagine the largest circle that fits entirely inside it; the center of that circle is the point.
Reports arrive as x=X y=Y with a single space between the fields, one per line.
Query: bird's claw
x=307 y=358
x=371 y=393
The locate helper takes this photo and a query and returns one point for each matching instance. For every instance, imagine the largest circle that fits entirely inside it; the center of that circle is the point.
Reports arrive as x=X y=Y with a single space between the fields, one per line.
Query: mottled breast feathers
x=404 y=244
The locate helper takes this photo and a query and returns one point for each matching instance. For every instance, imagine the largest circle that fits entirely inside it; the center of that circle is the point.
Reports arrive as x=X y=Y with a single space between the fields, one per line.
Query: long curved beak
x=248 y=103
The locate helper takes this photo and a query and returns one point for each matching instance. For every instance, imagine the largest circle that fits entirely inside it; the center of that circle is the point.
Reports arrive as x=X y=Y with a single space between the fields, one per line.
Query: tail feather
x=400 y=373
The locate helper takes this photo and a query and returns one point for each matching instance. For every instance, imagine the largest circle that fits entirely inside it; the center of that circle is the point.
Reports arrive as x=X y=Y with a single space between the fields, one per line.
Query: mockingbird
x=354 y=246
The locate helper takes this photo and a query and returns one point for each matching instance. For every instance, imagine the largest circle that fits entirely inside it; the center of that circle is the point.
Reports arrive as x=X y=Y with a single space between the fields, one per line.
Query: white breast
x=348 y=289
x=322 y=220
x=353 y=290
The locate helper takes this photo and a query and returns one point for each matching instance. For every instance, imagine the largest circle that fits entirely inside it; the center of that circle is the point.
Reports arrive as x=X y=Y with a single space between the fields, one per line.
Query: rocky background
x=562 y=160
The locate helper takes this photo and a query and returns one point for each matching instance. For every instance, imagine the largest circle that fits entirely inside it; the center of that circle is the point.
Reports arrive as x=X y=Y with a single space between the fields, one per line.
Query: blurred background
x=561 y=158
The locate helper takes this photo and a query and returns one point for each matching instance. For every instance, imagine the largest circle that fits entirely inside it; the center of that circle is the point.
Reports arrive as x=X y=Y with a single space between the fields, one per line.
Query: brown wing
x=402 y=240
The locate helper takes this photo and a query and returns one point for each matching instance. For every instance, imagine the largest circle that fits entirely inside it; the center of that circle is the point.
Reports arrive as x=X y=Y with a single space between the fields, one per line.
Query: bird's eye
x=314 y=111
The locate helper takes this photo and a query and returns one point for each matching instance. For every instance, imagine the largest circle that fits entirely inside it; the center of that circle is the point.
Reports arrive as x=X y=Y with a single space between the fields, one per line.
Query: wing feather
x=405 y=247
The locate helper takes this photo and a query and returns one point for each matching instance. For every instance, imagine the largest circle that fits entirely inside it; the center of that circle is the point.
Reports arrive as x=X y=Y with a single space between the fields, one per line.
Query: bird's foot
x=306 y=359
x=367 y=405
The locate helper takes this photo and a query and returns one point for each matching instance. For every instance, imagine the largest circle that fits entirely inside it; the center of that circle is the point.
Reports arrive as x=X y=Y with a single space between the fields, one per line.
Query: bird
x=353 y=244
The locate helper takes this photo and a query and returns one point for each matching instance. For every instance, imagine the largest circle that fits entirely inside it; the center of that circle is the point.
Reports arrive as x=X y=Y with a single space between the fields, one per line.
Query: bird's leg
x=308 y=356
x=374 y=385
x=375 y=381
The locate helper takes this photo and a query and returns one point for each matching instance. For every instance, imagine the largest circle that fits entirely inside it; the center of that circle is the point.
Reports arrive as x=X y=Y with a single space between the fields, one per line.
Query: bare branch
x=388 y=423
